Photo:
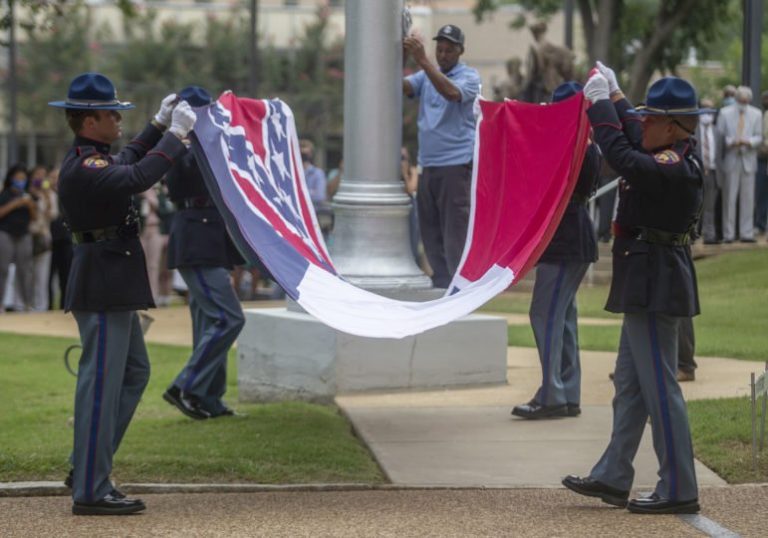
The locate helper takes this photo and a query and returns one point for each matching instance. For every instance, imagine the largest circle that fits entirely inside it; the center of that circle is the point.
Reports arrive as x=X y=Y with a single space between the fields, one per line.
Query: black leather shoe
x=573 y=410
x=108 y=506
x=69 y=480
x=592 y=488
x=185 y=403
x=534 y=411
x=653 y=504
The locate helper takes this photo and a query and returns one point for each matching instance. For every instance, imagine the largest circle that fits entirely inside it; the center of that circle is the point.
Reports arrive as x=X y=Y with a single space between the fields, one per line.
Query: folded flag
x=527 y=161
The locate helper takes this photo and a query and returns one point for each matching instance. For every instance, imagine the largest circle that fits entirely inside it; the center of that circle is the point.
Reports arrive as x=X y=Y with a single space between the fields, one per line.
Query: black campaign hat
x=451 y=32
x=671 y=96
x=195 y=96
x=92 y=91
x=566 y=90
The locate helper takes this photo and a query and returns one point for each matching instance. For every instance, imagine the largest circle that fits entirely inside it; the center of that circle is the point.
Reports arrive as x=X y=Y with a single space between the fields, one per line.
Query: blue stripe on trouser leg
x=98 y=392
x=221 y=324
x=661 y=391
x=217 y=313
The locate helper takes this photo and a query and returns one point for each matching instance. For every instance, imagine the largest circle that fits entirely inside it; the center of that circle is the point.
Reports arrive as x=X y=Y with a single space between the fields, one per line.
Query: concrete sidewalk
x=468 y=438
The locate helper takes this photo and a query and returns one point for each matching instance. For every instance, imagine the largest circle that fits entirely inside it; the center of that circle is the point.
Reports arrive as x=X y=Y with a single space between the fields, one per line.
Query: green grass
x=289 y=442
x=722 y=439
x=733 y=290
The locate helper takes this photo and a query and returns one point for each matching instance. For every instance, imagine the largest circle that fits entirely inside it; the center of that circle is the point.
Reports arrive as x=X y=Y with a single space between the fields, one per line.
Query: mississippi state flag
x=527 y=161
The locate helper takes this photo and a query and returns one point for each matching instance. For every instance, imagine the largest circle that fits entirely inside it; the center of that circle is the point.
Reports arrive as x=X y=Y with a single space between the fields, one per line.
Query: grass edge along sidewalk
x=277 y=443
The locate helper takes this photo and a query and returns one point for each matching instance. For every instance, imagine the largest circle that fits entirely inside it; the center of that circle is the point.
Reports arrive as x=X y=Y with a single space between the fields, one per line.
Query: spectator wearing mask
x=17 y=209
x=40 y=227
x=709 y=150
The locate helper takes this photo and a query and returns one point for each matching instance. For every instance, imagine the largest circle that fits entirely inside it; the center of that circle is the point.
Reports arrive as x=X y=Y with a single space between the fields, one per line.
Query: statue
x=547 y=66
x=512 y=87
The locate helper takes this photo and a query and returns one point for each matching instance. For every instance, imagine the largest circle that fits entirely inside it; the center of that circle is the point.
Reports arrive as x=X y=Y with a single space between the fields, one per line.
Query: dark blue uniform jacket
x=575 y=239
x=660 y=190
x=95 y=190
x=199 y=236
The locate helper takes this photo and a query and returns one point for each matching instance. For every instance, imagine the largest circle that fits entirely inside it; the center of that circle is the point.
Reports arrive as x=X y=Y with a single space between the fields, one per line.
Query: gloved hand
x=596 y=88
x=608 y=73
x=182 y=119
x=163 y=116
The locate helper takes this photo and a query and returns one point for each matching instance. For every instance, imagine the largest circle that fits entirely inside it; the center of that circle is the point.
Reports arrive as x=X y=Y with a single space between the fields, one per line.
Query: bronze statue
x=547 y=66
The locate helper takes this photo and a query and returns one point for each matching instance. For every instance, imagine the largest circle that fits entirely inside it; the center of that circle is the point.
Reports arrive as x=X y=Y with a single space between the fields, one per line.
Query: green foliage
x=291 y=442
x=732 y=292
x=157 y=58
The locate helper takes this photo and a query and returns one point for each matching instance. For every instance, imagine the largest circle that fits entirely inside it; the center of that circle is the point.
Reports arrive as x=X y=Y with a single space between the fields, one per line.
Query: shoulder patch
x=667 y=157
x=95 y=162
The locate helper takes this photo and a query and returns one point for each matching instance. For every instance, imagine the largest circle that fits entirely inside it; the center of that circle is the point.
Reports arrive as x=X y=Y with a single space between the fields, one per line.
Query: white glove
x=607 y=72
x=596 y=88
x=182 y=119
x=163 y=116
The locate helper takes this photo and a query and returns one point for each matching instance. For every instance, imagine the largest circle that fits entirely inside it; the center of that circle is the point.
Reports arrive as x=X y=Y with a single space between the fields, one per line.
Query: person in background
x=334 y=180
x=729 y=95
x=202 y=251
x=152 y=240
x=709 y=151
x=17 y=210
x=446 y=91
x=741 y=127
x=40 y=228
x=761 y=180
x=61 y=250
x=553 y=312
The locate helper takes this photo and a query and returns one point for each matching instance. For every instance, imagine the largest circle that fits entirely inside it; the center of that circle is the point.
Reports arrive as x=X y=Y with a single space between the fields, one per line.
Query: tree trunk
x=642 y=68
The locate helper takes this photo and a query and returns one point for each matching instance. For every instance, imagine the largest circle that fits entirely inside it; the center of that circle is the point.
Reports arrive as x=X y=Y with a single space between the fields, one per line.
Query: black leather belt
x=652 y=235
x=96 y=235
x=197 y=202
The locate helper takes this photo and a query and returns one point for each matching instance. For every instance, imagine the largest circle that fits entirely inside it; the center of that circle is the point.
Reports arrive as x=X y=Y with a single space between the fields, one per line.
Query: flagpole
x=371 y=246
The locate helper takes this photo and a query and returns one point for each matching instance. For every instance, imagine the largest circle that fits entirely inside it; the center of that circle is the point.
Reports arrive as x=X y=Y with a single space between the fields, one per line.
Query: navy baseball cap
x=671 y=96
x=566 y=90
x=92 y=91
x=195 y=96
x=450 y=32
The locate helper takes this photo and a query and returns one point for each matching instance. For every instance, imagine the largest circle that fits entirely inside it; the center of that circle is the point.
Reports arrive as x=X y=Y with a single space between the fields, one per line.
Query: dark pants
x=761 y=195
x=443 y=209
x=686 y=345
x=61 y=260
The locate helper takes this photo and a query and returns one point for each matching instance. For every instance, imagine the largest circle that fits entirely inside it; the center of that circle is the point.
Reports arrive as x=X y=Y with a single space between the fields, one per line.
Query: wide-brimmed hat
x=671 y=96
x=451 y=32
x=195 y=96
x=566 y=90
x=92 y=91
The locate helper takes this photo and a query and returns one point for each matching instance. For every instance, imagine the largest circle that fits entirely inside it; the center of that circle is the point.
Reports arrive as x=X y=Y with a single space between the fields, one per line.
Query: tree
x=637 y=37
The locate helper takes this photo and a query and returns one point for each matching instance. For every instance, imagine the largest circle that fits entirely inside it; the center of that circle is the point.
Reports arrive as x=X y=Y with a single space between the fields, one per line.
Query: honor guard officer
x=553 y=303
x=654 y=285
x=108 y=279
x=200 y=248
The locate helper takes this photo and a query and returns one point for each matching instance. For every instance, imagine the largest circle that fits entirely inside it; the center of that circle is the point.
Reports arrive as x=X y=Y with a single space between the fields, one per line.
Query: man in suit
x=108 y=280
x=741 y=126
x=709 y=151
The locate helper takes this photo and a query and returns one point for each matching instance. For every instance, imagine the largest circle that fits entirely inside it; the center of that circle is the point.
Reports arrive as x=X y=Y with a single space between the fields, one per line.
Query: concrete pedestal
x=287 y=355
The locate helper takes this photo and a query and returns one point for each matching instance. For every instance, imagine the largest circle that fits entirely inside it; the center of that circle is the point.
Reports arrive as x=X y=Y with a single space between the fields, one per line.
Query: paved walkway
x=456 y=438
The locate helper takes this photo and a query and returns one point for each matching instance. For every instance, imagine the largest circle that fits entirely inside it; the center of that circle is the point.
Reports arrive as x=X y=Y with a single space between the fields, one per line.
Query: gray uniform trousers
x=739 y=187
x=443 y=201
x=111 y=377
x=553 y=317
x=217 y=319
x=646 y=385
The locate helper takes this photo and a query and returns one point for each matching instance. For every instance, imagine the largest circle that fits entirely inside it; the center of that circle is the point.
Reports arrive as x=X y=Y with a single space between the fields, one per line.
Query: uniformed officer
x=553 y=312
x=108 y=279
x=200 y=248
x=654 y=285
